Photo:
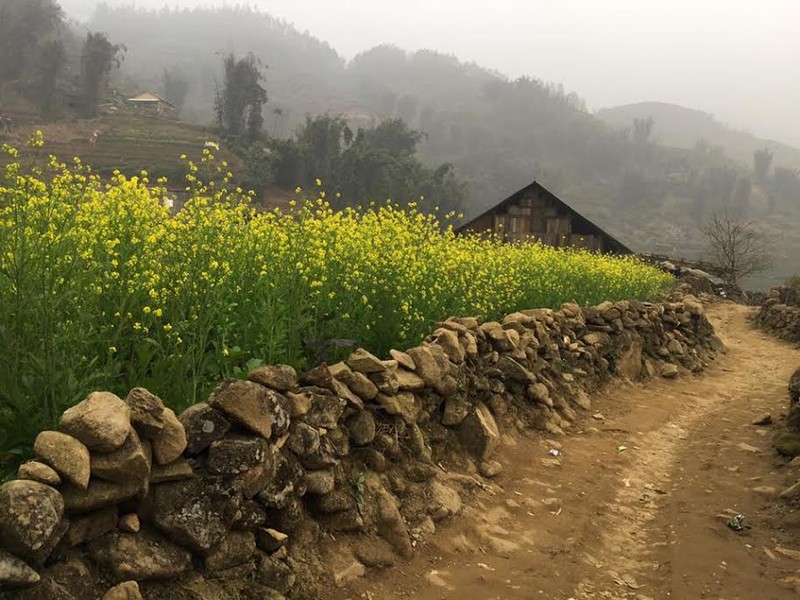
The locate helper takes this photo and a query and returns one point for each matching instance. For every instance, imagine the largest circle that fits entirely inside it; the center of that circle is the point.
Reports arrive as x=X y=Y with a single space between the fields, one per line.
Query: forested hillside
x=683 y=127
x=387 y=108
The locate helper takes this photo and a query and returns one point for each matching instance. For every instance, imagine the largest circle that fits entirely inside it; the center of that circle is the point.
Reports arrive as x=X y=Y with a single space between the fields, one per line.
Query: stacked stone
x=780 y=314
x=229 y=485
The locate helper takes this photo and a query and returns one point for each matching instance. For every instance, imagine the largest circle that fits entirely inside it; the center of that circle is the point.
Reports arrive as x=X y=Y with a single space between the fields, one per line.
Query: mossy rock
x=788 y=444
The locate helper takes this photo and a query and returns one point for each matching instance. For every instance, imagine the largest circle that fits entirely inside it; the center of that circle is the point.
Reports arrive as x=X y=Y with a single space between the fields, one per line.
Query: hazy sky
x=738 y=59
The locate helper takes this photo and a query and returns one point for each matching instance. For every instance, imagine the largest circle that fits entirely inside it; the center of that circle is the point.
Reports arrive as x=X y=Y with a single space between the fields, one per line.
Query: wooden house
x=536 y=214
x=150 y=104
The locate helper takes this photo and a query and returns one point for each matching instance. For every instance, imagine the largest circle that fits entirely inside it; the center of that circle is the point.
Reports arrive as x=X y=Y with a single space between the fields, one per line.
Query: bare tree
x=740 y=247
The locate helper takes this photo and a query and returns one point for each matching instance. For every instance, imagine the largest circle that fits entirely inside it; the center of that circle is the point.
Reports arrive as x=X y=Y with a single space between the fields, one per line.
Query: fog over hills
x=735 y=59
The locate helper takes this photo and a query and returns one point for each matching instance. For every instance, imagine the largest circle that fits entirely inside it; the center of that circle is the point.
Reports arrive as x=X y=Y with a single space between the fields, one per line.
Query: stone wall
x=240 y=496
x=780 y=313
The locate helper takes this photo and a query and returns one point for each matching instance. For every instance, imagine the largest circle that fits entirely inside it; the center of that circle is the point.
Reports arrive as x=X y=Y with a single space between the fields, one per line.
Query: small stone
x=233 y=456
x=403 y=404
x=444 y=501
x=195 y=513
x=128 y=462
x=130 y=523
x=765 y=419
x=403 y=359
x=140 y=556
x=391 y=525
x=30 y=519
x=174 y=471
x=101 y=421
x=89 y=527
x=490 y=468
x=362 y=361
x=669 y=371
x=37 y=471
x=245 y=402
x=69 y=457
x=361 y=428
x=14 y=572
x=147 y=412
x=747 y=448
x=203 y=425
x=409 y=381
x=765 y=490
x=280 y=378
x=320 y=482
x=124 y=591
x=98 y=494
x=456 y=410
x=349 y=573
x=324 y=410
x=358 y=383
x=270 y=540
x=234 y=550
x=171 y=441
x=479 y=433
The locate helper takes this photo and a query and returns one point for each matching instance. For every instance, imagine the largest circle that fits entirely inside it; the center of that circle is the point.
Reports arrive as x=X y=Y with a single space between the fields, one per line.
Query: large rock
x=406 y=380
x=147 y=412
x=99 y=494
x=235 y=455
x=31 y=519
x=234 y=550
x=126 y=463
x=325 y=410
x=128 y=590
x=69 y=457
x=391 y=525
x=203 y=425
x=15 y=572
x=288 y=483
x=358 y=383
x=270 y=540
x=433 y=367
x=479 y=433
x=403 y=404
x=280 y=378
x=195 y=513
x=246 y=403
x=320 y=482
x=92 y=526
x=140 y=556
x=38 y=471
x=456 y=410
x=363 y=361
x=361 y=428
x=169 y=444
x=448 y=340
x=444 y=501
x=174 y=471
x=101 y=421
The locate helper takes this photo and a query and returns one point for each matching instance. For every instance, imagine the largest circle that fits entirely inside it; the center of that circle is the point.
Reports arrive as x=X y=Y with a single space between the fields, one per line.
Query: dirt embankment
x=636 y=505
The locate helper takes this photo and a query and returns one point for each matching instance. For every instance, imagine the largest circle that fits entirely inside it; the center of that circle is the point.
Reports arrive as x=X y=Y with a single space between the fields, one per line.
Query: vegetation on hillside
x=104 y=288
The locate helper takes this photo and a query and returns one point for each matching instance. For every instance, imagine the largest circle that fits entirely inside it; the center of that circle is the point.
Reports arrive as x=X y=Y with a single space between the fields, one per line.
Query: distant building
x=150 y=104
x=536 y=214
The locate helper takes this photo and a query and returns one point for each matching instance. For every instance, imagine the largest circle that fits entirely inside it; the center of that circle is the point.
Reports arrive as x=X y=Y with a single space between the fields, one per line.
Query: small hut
x=536 y=214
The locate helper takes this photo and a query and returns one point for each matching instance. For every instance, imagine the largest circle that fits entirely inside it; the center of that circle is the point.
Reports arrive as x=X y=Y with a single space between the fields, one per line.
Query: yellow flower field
x=101 y=287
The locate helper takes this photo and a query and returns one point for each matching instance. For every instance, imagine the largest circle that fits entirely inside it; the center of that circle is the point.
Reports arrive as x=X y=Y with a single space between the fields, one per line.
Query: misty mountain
x=498 y=133
x=683 y=127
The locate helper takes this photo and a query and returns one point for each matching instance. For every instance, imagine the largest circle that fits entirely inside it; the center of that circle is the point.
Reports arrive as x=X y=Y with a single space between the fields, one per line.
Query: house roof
x=147 y=97
x=579 y=218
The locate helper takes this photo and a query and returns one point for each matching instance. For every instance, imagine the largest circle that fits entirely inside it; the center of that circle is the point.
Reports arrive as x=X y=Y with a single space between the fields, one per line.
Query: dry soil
x=638 y=502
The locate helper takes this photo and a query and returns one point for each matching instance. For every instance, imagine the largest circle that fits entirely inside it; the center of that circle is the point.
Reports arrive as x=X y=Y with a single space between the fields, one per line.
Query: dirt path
x=631 y=507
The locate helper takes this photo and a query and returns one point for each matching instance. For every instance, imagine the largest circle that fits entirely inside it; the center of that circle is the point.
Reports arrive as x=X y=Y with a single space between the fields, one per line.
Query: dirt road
x=631 y=508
